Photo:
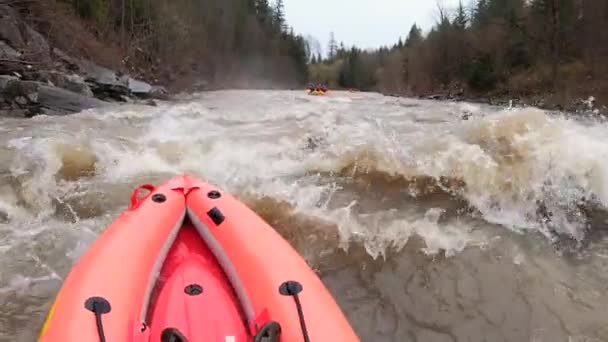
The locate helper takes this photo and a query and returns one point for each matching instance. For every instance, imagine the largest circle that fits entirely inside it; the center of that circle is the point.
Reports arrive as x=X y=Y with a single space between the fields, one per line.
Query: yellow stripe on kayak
x=47 y=321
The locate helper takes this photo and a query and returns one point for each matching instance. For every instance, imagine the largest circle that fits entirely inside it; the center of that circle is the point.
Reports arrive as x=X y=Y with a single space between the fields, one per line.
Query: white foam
x=256 y=142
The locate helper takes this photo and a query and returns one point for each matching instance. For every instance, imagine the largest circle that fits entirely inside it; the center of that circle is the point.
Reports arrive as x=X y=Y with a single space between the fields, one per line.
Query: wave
x=318 y=236
x=522 y=169
x=355 y=183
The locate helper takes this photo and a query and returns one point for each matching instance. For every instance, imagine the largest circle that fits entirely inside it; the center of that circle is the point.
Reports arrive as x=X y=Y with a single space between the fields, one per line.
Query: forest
x=223 y=42
x=515 y=47
x=552 y=49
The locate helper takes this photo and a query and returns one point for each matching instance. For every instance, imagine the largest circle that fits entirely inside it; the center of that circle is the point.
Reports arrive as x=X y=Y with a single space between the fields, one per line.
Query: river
x=428 y=221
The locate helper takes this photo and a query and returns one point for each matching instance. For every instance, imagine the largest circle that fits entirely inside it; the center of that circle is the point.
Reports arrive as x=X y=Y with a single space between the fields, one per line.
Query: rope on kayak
x=98 y=306
x=293 y=288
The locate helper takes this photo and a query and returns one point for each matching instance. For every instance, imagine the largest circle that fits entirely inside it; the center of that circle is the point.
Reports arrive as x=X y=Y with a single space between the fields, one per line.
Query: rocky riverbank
x=37 y=78
x=548 y=101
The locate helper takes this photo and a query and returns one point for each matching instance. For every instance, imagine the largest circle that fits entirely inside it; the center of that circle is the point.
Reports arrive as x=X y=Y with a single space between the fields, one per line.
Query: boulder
x=14 y=113
x=9 y=27
x=72 y=83
x=7 y=52
x=64 y=101
x=40 y=98
x=104 y=83
x=36 y=45
x=4 y=80
x=14 y=89
x=108 y=84
x=159 y=92
x=64 y=60
x=138 y=88
x=21 y=37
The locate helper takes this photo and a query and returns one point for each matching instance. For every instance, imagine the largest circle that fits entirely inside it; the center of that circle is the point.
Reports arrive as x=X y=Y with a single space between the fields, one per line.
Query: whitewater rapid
x=428 y=220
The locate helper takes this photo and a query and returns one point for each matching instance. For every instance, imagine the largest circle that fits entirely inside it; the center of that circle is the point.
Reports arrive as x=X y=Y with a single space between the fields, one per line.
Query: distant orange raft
x=189 y=262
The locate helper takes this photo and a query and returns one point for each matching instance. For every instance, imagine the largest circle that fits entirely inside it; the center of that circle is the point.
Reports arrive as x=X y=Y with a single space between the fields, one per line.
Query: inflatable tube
x=189 y=262
x=317 y=92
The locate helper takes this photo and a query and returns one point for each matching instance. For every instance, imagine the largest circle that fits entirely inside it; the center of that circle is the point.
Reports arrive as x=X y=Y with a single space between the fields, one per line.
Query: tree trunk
x=122 y=25
x=131 y=12
x=555 y=44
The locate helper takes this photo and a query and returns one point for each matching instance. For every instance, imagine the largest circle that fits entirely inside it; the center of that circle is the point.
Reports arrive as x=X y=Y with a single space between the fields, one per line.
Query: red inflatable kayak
x=189 y=262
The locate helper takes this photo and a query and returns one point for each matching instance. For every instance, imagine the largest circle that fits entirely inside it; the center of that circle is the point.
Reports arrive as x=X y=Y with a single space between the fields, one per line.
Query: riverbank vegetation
x=553 y=49
x=178 y=42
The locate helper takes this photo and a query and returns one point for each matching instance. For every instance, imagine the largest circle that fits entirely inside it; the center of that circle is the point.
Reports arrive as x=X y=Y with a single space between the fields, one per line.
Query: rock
x=65 y=101
x=201 y=85
x=4 y=79
x=435 y=97
x=39 y=98
x=144 y=90
x=17 y=88
x=158 y=90
x=21 y=37
x=15 y=113
x=159 y=93
x=9 y=27
x=107 y=84
x=7 y=52
x=315 y=142
x=21 y=100
x=101 y=75
x=138 y=87
x=65 y=60
x=72 y=83
x=104 y=83
x=466 y=116
x=36 y=45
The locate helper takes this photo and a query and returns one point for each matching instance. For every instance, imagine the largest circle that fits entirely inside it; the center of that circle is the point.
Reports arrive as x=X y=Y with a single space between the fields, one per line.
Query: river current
x=427 y=220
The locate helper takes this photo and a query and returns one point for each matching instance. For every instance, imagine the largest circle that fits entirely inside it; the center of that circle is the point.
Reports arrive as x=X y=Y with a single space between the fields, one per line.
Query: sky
x=365 y=23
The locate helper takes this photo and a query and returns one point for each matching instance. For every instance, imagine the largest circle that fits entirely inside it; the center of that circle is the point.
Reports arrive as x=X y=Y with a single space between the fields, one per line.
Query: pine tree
x=461 y=20
x=341 y=53
x=414 y=37
x=400 y=43
x=279 y=15
x=263 y=11
x=481 y=13
x=332 y=47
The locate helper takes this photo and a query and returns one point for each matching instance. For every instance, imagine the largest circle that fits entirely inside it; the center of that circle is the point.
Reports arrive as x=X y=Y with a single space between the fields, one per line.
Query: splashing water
x=425 y=227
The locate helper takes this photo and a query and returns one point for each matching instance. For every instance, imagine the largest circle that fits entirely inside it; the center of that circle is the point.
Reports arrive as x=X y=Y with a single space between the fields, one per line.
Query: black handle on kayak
x=269 y=332
x=293 y=288
x=98 y=306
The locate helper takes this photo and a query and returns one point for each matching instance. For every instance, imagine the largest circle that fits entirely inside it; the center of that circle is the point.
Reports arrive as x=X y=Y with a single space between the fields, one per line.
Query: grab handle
x=135 y=200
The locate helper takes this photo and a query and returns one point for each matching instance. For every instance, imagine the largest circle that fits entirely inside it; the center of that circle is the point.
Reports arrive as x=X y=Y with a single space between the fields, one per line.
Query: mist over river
x=425 y=226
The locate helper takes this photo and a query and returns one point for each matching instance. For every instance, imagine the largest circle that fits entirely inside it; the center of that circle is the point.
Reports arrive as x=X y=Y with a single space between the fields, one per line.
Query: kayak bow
x=189 y=262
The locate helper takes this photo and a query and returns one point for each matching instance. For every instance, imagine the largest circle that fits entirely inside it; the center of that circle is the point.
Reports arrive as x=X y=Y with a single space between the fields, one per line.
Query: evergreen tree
x=461 y=20
x=263 y=11
x=332 y=46
x=414 y=37
x=279 y=15
x=481 y=13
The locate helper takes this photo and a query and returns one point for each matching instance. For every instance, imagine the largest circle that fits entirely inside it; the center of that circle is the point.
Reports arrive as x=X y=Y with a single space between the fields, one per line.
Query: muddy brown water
x=424 y=226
